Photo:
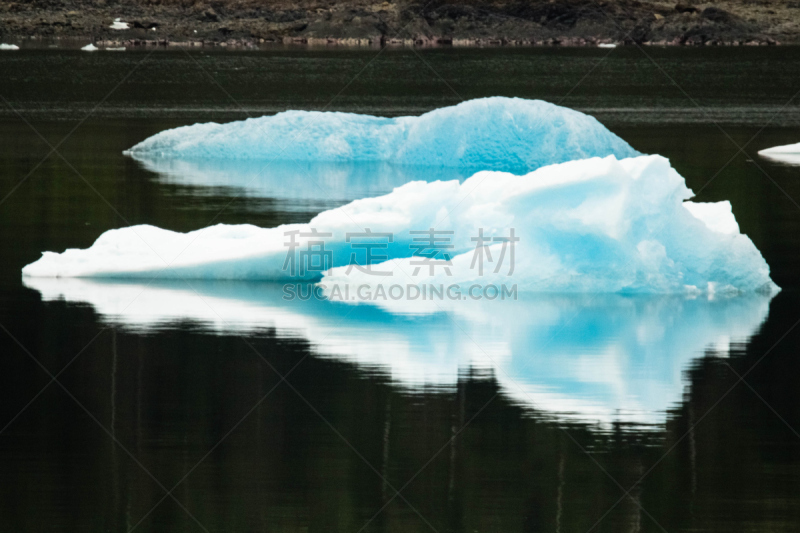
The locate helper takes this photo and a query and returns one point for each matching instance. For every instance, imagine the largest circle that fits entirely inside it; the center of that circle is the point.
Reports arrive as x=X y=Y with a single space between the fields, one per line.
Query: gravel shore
x=250 y=23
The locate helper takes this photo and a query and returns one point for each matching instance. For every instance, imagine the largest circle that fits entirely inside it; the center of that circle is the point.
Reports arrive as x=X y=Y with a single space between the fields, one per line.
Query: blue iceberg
x=510 y=134
x=588 y=226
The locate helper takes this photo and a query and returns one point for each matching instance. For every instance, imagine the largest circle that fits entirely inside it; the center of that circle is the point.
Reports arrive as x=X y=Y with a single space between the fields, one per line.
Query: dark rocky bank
x=250 y=23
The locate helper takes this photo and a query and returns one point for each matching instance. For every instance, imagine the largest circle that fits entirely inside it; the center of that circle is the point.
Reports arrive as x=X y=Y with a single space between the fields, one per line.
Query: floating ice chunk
x=598 y=358
x=5 y=46
x=510 y=134
x=783 y=149
x=789 y=154
x=90 y=48
x=119 y=25
x=595 y=225
x=606 y=45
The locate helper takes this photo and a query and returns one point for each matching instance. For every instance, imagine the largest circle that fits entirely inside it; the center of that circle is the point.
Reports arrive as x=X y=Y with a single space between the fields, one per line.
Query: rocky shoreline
x=252 y=24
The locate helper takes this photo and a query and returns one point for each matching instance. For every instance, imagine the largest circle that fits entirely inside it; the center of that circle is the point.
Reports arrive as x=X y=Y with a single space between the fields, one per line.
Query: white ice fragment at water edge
x=788 y=153
x=783 y=149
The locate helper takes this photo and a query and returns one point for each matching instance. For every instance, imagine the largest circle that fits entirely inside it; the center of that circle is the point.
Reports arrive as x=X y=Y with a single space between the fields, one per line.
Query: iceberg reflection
x=600 y=358
x=295 y=181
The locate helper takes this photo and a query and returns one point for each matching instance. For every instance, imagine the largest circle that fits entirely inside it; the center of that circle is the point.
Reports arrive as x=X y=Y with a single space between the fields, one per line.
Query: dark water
x=172 y=420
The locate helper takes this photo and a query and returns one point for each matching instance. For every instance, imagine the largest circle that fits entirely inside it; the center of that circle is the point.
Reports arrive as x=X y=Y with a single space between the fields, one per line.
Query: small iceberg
x=90 y=48
x=5 y=46
x=606 y=45
x=599 y=225
x=789 y=154
x=510 y=134
x=119 y=25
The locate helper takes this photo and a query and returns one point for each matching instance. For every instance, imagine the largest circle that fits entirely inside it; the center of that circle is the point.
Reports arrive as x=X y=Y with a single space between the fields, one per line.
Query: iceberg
x=90 y=48
x=789 y=154
x=594 y=358
x=6 y=46
x=510 y=134
x=594 y=225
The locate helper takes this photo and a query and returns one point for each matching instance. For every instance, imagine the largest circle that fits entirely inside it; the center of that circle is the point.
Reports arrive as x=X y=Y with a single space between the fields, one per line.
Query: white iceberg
x=600 y=358
x=788 y=153
x=5 y=46
x=594 y=225
x=90 y=48
x=497 y=133
x=119 y=25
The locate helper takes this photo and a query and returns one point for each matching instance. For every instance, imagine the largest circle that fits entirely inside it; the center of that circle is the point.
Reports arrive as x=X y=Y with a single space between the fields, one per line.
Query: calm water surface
x=220 y=407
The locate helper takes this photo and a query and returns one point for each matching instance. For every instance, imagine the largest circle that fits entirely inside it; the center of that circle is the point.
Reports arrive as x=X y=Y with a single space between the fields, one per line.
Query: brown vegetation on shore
x=436 y=22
